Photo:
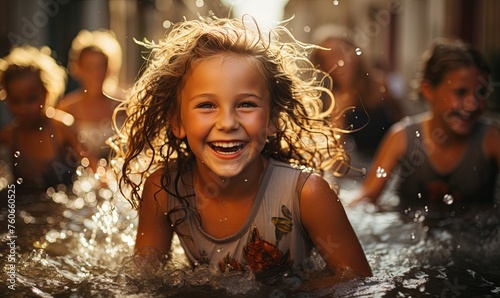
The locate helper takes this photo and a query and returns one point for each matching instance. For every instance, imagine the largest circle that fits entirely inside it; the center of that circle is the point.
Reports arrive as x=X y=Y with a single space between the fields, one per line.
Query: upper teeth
x=227 y=144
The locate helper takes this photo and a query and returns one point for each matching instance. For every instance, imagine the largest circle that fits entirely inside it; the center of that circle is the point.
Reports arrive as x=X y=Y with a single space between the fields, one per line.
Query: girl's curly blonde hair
x=304 y=136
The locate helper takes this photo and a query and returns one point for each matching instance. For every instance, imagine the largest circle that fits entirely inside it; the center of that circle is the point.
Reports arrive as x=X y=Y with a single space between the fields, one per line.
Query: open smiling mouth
x=227 y=148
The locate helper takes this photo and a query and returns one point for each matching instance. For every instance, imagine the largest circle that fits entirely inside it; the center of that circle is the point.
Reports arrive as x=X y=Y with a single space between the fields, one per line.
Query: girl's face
x=225 y=113
x=25 y=98
x=340 y=62
x=459 y=100
x=92 y=70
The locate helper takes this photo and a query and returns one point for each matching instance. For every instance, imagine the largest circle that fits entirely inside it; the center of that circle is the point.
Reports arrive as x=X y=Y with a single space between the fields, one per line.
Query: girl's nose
x=227 y=120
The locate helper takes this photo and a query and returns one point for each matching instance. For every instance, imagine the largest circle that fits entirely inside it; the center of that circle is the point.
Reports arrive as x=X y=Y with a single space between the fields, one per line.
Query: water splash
x=448 y=199
x=200 y=3
x=90 y=253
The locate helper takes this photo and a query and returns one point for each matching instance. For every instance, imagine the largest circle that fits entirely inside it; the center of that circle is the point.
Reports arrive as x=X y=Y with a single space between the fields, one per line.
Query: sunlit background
x=393 y=33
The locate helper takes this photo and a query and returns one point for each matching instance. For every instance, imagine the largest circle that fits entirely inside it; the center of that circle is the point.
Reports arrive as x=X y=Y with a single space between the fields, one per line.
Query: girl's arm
x=386 y=159
x=70 y=140
x=153 y=232
x=326 y=222
x=491 y=143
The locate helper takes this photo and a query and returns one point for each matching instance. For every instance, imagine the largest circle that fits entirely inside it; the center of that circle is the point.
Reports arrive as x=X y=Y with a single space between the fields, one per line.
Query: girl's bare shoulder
x=492 y=140
x=6 y=134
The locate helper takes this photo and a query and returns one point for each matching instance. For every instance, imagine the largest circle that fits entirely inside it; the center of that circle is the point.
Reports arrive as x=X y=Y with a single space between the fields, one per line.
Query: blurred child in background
x=363 y=102
x=42 y=151
x=94 y=61
x=448 y=158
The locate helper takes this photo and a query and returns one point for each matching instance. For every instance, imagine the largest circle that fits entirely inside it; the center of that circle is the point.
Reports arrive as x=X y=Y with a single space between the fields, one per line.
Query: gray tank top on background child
x=472 y=181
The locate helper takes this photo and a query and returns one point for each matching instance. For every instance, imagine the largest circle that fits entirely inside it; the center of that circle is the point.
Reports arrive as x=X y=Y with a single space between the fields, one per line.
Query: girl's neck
x=93 y=94
x=247 y=182
x=35 y=125
x=439 y=135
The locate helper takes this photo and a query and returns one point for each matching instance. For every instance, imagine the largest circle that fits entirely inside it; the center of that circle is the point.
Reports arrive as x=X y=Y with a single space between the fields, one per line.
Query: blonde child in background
x=42 y=151
x=226 y=135
x=94 y=61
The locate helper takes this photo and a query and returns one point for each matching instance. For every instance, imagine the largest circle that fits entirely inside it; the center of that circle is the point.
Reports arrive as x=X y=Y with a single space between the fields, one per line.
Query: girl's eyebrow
x=243 y=94
x=252 y=95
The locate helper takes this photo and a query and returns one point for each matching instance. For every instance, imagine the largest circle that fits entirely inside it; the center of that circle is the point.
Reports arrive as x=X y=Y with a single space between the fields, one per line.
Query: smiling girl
x=449 y=158
x=233 y=136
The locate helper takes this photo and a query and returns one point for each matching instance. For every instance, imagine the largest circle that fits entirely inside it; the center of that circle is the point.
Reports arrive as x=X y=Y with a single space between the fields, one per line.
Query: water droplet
x=200 y=3
x=358 y=51
x=19 y=180
x=380 y=173
x=419 y=195
x=340 y=63
x=417 y=134
x=307 y=29
x=448 y=199
x=335 y=2
x=167 y=24
x=17 y=154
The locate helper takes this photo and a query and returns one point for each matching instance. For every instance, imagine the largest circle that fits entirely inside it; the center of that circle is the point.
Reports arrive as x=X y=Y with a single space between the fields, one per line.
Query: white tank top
x=272 y=238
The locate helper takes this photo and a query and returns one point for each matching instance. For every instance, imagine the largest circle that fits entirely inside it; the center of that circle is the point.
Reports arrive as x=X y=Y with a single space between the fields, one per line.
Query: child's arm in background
x=70 y=140
x=324 y=218
x=154 y=234
x=392 y=147
x=492 y=143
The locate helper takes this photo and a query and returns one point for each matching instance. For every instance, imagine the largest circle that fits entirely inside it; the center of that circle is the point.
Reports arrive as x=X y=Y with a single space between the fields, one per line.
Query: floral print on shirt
x=263 y=257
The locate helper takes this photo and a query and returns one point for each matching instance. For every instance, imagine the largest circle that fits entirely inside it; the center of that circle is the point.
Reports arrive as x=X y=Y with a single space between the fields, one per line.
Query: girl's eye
x=248 y=105
x=33 y=98
x=461 y=92
x=205 y=106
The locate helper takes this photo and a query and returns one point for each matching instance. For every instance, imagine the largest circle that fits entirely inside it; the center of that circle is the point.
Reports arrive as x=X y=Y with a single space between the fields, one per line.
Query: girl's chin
x=456 y=120
x=223 y=170
x=462 y=128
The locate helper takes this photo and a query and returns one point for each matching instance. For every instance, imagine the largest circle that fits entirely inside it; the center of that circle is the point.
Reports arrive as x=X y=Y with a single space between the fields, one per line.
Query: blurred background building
x=393 y=33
